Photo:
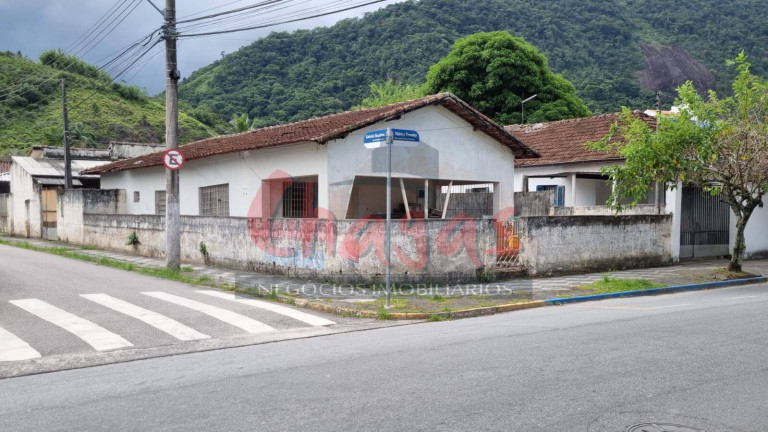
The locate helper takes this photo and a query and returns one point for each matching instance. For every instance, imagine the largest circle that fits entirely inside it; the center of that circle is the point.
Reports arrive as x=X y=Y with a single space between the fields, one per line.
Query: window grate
x=299 y=200
x=160 y=202
x=214 y=200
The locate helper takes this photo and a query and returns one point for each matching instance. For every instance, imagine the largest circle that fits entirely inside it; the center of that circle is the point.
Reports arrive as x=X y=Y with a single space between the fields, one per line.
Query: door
x=705 y=225
x=49 y=214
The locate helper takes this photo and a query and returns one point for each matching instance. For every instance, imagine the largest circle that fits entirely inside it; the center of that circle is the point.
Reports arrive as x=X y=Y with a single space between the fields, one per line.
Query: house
x=320 y=168
x=566 y=165
x=703 y=226
x=33 y=182
x=32 y=201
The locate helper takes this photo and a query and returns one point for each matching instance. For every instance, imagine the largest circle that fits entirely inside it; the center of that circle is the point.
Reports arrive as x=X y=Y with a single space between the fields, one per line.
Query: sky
x=33 y=26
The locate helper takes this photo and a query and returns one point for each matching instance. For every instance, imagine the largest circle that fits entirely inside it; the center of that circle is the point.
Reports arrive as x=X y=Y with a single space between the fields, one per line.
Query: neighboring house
x=310 y=168
x=703 y=226
x=33 y=182
x=566 y=165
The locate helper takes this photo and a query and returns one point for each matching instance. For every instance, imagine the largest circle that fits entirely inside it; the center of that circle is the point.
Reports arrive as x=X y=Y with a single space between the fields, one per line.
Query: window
x=300 y=199
x=214 y=200
x=559 y=192
x=160 y=202
x=136 y=196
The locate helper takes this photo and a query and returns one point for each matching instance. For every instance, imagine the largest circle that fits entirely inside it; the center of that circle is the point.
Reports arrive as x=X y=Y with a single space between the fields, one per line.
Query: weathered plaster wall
x=534 y=203
x=344 y=250
x=73 y=203
x=4 y=212
x=25 y=203
x=598 y=210
x=570 y=244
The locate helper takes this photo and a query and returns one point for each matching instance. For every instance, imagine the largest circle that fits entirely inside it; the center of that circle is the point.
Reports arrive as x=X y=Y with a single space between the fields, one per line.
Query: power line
x=111 y=26
x=271 y=24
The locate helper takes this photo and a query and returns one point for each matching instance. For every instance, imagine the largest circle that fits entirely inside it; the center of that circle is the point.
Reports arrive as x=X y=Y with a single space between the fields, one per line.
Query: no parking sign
x=173 y=159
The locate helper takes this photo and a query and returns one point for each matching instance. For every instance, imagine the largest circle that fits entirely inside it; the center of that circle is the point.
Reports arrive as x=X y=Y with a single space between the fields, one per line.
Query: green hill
x=100 y=111
x=607 y=49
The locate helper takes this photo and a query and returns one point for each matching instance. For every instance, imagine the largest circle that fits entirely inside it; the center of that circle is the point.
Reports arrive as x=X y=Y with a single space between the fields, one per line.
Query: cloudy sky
x=33 y=26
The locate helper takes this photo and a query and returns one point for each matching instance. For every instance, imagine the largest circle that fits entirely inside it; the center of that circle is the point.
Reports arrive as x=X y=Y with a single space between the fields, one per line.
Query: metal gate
x=49 y=214
x=507 y=245
x=705 y=225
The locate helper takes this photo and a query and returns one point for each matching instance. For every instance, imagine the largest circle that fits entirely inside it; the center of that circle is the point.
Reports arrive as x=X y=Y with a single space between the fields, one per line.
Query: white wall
x=243 y=171
x=756 y=232
x=449 y=150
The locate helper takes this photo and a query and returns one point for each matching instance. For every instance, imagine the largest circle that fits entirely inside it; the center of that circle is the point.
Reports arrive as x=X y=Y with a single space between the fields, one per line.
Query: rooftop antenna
x=522 y=107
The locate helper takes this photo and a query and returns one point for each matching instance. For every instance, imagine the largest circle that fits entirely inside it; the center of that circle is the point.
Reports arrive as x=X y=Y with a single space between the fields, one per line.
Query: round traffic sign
x=173 y=159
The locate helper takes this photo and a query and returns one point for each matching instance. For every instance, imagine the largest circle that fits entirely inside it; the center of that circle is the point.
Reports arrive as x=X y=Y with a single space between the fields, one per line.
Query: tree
x=80 y=135
x=390 y=92
x=241 y=123
x=718 y=144
x=495 y=72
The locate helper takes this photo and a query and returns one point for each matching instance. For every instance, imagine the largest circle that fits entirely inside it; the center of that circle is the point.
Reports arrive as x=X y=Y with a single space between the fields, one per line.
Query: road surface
x=696 y=359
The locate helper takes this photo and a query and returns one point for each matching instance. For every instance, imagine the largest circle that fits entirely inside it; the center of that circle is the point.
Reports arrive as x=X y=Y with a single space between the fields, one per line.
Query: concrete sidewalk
x=687 y=272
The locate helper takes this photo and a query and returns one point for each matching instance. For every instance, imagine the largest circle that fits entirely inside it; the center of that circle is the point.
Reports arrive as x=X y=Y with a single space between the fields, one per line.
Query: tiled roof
x=561 y=142
x=5 y=166
x=324 y=129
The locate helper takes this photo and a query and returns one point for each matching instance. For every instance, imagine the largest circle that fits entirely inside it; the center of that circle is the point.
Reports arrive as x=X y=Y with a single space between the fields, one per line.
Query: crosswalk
x=196 y=313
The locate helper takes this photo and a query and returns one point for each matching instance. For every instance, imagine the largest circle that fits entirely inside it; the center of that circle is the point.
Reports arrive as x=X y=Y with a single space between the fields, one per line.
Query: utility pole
x=657 y=194
x=172 y=212
x=67 y=157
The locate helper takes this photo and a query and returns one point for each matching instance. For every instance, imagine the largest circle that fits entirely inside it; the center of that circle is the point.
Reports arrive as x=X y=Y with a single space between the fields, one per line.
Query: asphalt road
x=697 y=359
x=57 y=313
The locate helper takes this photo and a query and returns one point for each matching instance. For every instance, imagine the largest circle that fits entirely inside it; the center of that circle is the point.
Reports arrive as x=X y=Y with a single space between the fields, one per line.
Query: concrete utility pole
x=67 y=157
x=657 y=195
x=172 y=212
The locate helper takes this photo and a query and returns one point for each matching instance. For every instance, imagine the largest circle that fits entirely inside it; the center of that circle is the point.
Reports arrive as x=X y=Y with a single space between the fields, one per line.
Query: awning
x=47 y=181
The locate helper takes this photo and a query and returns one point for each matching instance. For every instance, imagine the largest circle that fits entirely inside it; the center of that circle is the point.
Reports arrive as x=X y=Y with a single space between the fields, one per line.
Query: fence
x=467 y=201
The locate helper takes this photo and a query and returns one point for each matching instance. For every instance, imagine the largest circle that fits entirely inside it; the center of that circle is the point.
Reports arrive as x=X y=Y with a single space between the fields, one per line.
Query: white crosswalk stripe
x=94 y=335
x=282 y=310
x=160 y=322
x=12 y=348
x=241 y=321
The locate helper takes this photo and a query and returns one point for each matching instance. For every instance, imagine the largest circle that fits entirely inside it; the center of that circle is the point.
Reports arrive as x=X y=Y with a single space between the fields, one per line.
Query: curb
x=653 y=291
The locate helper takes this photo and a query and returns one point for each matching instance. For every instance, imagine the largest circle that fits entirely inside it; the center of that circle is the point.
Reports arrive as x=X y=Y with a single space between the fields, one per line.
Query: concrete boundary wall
x=347 y=251
x=573 y=244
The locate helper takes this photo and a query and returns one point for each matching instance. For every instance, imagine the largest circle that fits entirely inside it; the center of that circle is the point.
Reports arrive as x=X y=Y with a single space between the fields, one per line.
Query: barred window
x=136 y=196
x=300 y=199
x=214 y=200
x=160 y=202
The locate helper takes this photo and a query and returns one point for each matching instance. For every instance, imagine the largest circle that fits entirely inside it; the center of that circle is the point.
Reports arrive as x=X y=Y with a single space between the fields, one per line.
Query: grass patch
x=437 y=298
x=723 y=273
x=384 y=315
x=436 y=318
x=609 y=284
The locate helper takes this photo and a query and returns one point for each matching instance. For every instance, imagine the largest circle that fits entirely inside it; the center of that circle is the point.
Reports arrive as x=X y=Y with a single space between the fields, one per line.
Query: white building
x=320 y=167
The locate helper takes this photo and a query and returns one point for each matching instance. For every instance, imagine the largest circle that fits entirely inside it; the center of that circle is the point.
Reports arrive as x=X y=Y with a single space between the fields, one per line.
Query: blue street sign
x=405 y=135
x=375 y=136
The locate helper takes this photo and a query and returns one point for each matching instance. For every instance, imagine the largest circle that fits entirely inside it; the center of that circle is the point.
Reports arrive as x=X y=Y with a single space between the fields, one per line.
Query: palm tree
x=242 y=123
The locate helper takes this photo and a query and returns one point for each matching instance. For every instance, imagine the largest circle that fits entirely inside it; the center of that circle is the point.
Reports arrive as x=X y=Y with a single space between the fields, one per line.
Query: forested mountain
x=605 y=48
x=100 y=111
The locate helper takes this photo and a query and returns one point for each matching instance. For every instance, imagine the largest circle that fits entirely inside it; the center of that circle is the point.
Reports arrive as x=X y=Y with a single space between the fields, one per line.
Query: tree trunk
x=739 y=246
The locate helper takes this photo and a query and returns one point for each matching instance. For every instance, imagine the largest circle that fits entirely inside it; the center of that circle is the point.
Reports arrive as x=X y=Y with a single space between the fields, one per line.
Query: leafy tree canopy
x=720 y=144
x=495 y=72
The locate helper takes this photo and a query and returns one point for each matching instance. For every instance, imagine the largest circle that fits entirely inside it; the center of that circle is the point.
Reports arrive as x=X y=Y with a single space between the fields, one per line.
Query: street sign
x=406 y=135
x=173 y=159
x=378 y=138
